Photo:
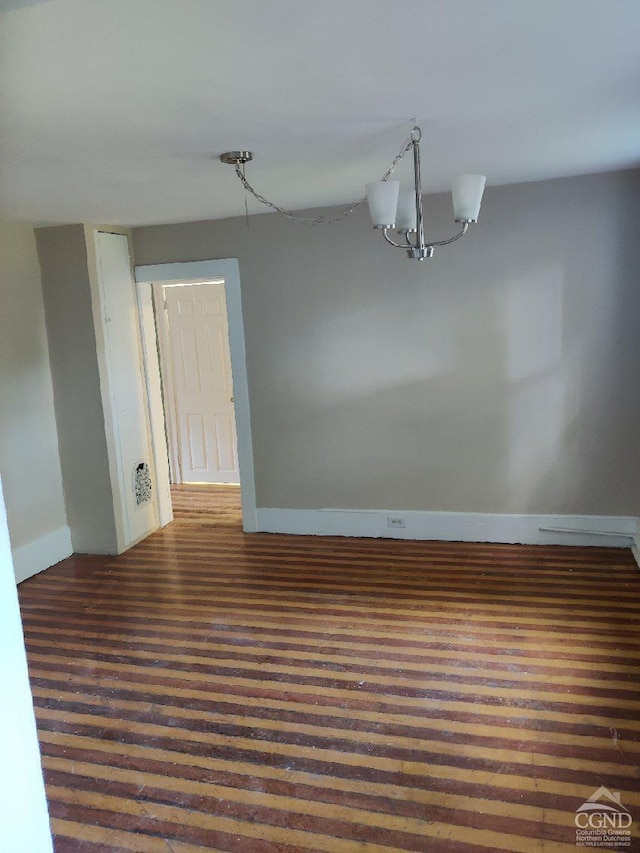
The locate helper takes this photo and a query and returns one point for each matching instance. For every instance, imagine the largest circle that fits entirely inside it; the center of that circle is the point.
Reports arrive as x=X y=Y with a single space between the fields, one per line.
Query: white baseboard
x=38 y=555
x=453 y=526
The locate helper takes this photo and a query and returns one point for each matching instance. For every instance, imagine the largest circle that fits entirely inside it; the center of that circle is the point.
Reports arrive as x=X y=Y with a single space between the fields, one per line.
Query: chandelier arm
x=390 y=241
x=460 y=234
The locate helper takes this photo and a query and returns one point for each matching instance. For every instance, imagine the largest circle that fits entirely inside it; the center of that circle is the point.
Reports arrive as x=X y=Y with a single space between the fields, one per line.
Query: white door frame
x=227 y=269
x=166 y=378
x=153 y=383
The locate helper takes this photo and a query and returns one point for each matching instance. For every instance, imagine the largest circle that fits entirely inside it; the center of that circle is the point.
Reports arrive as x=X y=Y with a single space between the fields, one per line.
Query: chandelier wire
x=325 y=219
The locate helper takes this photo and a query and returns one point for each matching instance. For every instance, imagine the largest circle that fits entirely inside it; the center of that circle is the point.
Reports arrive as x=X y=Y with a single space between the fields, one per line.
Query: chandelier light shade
x=383 y=202
x=389 y=207
x=406 y=217
x=466 y=194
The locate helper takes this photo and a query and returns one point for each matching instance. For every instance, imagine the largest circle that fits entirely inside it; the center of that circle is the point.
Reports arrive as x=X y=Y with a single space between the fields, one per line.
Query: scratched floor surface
x=212 y=690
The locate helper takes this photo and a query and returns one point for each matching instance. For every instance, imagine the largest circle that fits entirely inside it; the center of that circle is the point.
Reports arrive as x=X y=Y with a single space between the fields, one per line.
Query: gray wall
x=500 y=376
x=76 y=385
x=29 y=463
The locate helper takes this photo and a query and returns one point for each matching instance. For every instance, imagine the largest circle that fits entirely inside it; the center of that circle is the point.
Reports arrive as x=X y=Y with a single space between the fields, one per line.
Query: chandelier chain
x=321 y=220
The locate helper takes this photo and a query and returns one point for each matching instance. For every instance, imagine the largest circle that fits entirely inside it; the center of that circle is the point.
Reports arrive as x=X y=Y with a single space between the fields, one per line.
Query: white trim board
x=227 y=269
x=453 y=526
x=42 y=553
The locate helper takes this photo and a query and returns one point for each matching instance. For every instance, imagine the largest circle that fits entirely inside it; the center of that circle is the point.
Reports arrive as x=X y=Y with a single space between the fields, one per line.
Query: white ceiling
x=113 y=110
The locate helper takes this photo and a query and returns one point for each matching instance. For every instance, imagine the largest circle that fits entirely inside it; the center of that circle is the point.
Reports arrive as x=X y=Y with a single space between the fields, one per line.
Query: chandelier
x=390 y=207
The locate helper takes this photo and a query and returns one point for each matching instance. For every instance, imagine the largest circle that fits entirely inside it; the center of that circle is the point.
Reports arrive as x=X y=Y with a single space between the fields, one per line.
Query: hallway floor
x=210 y=503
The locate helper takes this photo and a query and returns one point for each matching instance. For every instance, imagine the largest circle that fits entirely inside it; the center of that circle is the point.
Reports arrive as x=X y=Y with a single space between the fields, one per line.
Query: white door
x=202 y=383
x=126 y=415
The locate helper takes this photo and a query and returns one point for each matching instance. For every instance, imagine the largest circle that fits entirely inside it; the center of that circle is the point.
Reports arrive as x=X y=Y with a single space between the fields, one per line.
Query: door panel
x=212 y=306
x=225 y=442
x=197 y=436
x=203 y=388
x=186 y=307
x=218 y=350
x=189 y=362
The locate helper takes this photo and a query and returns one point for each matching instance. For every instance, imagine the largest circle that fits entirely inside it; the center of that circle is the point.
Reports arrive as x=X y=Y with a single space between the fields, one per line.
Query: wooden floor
x=213 y=504
x=211 y=690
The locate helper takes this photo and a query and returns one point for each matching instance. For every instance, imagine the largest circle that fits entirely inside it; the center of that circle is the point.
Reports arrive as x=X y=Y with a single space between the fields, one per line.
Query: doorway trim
x=227 y=269
x=166 y=379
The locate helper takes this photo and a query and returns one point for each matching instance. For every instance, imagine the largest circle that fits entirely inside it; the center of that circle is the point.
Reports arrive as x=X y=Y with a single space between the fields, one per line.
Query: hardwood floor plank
x=227 y=706
x=506 y=788
x=212 y=690
x=465 y=666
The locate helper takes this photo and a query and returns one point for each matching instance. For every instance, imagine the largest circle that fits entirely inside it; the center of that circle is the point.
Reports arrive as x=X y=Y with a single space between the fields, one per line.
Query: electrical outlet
x=396 y=521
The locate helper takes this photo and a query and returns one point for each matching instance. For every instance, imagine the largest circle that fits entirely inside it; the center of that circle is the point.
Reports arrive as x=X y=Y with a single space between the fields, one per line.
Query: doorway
x=197 y=383
x=198 y=349
x=206 y=503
